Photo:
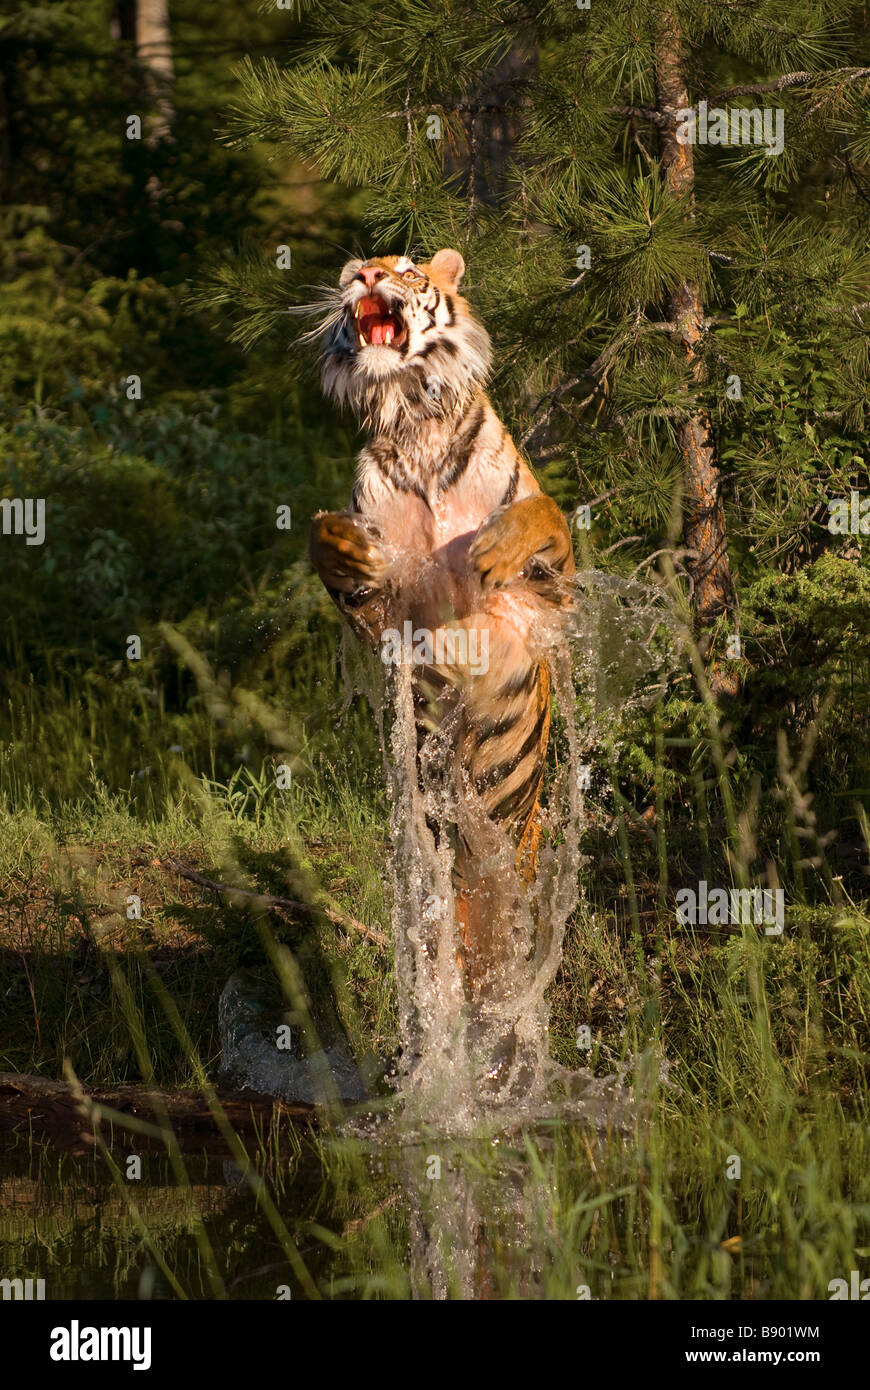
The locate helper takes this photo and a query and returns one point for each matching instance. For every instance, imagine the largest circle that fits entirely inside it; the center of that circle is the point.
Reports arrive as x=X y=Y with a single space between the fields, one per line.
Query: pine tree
x=681 y=328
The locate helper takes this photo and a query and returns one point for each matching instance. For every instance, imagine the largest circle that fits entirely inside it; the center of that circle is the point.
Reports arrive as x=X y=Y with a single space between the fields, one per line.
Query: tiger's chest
x=428 y=536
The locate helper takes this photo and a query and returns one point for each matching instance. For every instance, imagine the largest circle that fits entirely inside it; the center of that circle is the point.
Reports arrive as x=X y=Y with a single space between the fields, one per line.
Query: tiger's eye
x=411 y=274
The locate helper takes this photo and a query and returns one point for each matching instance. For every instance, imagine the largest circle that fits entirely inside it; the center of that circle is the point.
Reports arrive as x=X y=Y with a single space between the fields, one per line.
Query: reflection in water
x=557 y=1212
x=428 y=1219
x=466 y=1228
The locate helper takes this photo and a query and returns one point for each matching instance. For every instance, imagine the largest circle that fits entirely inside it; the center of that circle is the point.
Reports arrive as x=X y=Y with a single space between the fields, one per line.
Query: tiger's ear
x=448 y=265
x=350 y=270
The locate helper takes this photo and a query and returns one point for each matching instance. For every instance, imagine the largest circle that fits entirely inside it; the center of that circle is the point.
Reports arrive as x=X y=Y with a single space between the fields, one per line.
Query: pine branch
x=790 y=79
x=644 y=113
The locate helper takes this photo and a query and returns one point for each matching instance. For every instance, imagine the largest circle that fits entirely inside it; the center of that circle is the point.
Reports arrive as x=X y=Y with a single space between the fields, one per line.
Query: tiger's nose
x=370 y=274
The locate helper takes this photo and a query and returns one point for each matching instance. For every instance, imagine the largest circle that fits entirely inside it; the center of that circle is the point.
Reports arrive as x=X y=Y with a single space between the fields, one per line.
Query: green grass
x=733 y=1045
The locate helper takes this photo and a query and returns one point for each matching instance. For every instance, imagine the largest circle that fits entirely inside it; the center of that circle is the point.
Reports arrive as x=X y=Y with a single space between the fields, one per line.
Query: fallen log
x=51 y=1109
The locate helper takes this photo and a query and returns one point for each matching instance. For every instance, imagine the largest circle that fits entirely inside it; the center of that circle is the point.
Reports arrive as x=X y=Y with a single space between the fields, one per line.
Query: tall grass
x=740 y=1169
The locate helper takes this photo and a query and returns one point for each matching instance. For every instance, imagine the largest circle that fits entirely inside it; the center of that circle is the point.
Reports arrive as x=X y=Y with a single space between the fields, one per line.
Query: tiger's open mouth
x=376 y=325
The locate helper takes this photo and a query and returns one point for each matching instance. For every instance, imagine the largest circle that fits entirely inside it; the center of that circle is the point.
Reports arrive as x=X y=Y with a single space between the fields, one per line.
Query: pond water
x=340 y=1217
x=558 y=1210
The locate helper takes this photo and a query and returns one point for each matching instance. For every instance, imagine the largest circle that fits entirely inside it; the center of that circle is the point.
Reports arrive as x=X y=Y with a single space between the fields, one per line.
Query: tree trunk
x=491 y=117
x=154 y=49
x=703 y=512
x=494 y=131
x=145 y=24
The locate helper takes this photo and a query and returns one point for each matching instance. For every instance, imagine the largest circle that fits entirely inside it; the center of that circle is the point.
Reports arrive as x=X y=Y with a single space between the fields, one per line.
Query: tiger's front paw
x=347 y=553
x=500 y=550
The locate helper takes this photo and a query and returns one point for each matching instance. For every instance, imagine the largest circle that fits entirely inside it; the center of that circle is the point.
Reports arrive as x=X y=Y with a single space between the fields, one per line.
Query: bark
x=145 y=23
x=154 y=48
x=38 y=1106
x=124 y=21
x=495 y=130
x=491 y=114
x=703 y=512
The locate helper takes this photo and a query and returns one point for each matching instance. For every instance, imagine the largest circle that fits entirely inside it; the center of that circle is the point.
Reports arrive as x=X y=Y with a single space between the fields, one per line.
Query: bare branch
x=645 y=113
x=268 y=900
x=790 y=79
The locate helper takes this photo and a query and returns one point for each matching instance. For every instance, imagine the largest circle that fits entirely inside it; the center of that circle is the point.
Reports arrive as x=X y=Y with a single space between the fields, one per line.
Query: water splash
x=617 y=642
x=249 y=1016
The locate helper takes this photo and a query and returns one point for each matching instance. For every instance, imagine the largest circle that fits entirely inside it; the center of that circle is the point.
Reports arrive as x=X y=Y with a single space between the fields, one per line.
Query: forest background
x=154 y=393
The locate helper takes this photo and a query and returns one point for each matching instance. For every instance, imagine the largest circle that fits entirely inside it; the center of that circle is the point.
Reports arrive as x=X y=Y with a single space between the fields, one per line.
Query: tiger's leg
x=509 y=724
x=503 y=757
x=526 y=544
x=347 y=553
x=515 y=538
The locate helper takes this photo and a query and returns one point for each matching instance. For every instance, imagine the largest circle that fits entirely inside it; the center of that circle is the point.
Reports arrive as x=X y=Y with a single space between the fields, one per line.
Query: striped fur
x=448 y=528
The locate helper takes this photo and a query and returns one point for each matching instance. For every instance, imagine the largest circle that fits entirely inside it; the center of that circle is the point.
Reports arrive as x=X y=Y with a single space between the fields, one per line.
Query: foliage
x=122 y=258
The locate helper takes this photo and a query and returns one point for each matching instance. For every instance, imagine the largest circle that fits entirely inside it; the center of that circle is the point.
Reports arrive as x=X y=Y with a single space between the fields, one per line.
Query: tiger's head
x=402 y=345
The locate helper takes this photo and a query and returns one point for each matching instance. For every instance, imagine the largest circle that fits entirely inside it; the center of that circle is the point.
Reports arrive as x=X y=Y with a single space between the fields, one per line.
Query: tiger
x=447 y=524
